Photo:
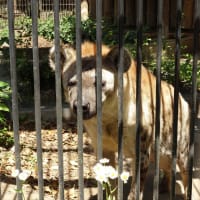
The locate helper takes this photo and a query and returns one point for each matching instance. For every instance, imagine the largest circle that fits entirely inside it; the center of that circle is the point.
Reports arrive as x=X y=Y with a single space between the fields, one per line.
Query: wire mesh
x=22 y=8
x=3 y=14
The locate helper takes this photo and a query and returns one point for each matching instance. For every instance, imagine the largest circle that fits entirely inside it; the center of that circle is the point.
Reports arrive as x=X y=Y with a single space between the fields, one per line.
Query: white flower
x=104 y=161
x=98 y=168
x=111 y=172
x=12 y=149
x=124 y=176
x=24 y=175
x=101 y=177
x=100 y=174
x=15 y=173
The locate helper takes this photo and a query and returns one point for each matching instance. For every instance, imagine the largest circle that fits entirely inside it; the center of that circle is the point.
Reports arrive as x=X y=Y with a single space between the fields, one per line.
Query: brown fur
x=110 y=105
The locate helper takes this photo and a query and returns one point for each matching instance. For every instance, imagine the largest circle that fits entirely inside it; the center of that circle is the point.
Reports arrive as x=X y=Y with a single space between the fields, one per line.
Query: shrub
x=5 y=139
x=24 y=24
x=46 y=28
x=4 y=36
x=67 y=29
x=110 y=37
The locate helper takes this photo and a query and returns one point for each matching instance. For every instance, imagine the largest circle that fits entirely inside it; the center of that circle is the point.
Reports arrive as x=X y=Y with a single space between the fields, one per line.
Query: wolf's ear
x=113 y=58
x=67 y=56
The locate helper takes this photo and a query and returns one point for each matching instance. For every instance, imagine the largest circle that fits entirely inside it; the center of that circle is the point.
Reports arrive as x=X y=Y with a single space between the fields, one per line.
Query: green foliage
x=186 y=71
x=5 y=139
x=168 y=67
x=67 y=29
x=4 y=95
x=109 y=37
x=46 y=28
x=25 y=25
x=4 y=36
x=88 y=30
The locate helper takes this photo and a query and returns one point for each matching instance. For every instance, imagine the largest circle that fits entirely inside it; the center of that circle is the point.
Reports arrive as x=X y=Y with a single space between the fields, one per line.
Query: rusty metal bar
x=196 y=53
x=176 y=96
x=99 y=86
x=36 y=73
x=158 y=90
x=15 y=109
x=139 y=12
x=79 y=102
x=120 y=97
x=58 y=99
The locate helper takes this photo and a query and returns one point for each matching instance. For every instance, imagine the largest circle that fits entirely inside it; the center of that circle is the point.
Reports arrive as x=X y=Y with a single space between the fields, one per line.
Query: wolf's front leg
x=143 y=173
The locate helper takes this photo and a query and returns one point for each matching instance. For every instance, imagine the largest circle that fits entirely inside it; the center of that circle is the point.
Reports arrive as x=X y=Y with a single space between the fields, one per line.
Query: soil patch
x=50 y=163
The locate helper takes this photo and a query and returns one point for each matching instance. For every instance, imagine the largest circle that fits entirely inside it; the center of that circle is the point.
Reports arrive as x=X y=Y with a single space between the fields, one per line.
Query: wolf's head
x=110 y=63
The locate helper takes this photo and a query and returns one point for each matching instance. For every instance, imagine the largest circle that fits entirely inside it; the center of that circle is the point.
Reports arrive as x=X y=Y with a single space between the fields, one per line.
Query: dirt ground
x=26 y=42
x=50 y=164
x=28 y=157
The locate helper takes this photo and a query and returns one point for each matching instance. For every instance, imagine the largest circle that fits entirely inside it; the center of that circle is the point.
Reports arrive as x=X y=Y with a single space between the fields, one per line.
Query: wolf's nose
x=85 y=107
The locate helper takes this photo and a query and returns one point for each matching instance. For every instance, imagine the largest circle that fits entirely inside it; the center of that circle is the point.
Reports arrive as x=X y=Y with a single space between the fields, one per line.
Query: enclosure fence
x=22 y=8
x=31 y=8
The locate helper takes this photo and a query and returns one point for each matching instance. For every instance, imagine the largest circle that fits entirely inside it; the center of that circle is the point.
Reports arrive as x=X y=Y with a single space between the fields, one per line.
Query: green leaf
x=3 y=84
x=4 y=95
x=3 y=107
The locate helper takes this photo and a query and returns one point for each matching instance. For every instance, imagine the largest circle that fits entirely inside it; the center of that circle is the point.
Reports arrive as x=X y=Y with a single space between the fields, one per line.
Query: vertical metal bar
x=79 y=102
x=15 y=110
x=99 y=86
x=176 y=96
x=139 y=11
x=196 y=54
x=158 y=89
x=58 y=98
x=120 y=97
x=40 y=8
x=36 y=73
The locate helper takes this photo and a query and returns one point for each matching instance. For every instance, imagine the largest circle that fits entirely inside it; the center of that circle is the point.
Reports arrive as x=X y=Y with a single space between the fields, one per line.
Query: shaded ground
x=50 y=163
x=50 y=166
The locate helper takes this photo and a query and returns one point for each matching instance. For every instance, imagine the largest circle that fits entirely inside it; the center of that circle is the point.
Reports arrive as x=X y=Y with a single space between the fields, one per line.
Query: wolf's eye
x=103 y=84
x=71 y=83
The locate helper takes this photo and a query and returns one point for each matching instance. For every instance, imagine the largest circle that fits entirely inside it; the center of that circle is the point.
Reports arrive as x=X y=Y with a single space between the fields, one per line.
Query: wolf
x=110 y=96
